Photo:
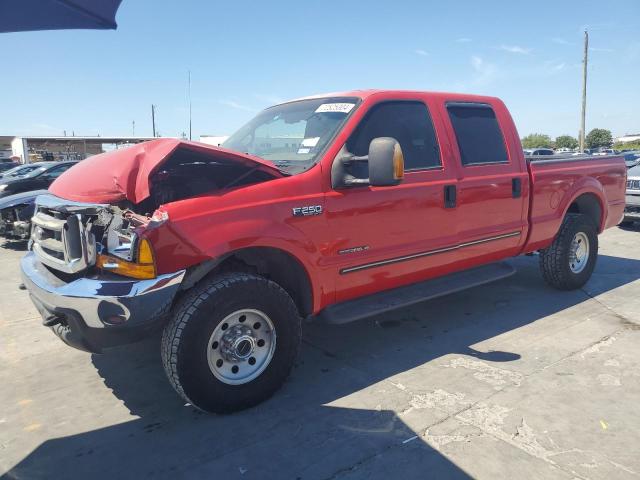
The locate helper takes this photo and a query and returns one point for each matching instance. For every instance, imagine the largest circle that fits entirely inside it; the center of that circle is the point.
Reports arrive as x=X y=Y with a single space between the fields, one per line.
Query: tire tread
x=188 y=306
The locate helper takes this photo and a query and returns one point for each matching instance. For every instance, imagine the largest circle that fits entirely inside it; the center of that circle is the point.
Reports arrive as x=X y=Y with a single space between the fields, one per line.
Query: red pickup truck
x=328 y=208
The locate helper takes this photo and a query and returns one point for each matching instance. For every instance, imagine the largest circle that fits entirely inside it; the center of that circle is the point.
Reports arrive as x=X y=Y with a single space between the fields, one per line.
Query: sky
x=244 y=56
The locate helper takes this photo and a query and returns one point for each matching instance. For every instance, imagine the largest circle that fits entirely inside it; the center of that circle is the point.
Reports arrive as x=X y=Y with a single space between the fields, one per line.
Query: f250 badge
x=306 y=211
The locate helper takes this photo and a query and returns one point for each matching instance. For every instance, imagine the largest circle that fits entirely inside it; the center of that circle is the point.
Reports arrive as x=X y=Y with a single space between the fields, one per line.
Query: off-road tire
x=555 y=260
x=185 y=340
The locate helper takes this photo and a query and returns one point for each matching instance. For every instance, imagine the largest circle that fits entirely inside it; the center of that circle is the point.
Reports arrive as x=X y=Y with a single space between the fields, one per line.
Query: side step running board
x=363 y=307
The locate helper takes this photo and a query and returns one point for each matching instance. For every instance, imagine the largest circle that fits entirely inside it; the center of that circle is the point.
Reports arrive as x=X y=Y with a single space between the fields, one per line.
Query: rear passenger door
x=492 y=185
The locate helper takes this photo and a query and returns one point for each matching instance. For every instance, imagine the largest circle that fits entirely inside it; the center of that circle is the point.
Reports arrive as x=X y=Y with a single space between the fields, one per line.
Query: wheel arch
x=591 y=205
x=273 y=263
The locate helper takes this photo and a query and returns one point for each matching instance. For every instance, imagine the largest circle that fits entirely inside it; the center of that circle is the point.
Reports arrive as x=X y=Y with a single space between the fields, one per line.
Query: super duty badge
x=306 y=211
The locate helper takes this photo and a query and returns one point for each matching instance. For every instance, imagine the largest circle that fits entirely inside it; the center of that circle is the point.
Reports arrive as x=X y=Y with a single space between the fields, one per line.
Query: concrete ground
x=508 y=380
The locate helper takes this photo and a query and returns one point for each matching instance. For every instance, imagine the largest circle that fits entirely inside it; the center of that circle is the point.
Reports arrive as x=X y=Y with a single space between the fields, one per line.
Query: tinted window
x=478 y=134
x=409 y=123
x=55 y=172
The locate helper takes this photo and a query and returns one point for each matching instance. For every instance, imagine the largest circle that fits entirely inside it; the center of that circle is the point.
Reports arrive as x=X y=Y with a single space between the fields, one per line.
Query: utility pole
x=584 y=90
x=133 y=128
x=153 y=119
x=189 y=104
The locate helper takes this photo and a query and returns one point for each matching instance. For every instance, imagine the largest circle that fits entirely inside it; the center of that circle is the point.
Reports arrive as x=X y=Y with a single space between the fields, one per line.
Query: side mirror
x=386 y=162
x=384 y=165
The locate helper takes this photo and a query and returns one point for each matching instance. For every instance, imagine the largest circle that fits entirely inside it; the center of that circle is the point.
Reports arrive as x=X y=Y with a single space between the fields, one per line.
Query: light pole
x=584 y=90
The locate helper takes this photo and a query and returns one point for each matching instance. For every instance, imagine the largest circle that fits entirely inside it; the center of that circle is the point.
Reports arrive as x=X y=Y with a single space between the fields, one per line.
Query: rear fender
x=589 y=186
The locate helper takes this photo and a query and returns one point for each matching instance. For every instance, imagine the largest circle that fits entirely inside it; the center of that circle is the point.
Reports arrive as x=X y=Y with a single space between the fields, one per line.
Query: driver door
x=387 y=236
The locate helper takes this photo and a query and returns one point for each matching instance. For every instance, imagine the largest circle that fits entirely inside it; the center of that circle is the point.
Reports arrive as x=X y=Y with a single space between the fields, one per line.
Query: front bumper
x=99 y=312
x=632 y=208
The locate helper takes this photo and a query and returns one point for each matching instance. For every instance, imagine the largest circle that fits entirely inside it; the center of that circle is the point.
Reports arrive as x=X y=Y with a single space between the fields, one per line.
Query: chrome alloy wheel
x=241 y=346
x=579 y=252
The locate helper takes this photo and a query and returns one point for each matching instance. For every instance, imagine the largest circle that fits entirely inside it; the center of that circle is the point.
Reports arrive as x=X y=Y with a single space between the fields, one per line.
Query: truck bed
x=556 y=179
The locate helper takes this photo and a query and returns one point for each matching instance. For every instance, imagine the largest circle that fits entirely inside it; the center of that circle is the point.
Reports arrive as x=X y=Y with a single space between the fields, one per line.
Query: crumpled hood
x=124 y=174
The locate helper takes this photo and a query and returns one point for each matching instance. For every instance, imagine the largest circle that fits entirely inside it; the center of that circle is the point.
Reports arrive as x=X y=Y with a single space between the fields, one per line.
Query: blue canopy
x=25 y=15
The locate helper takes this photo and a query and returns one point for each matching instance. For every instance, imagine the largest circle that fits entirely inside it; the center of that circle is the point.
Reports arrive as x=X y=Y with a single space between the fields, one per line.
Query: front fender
x=186 y=241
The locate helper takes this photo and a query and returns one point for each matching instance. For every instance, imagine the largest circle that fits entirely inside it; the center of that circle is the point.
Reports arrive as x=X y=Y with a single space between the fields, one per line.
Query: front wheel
x=569 y=262
x=231 y=342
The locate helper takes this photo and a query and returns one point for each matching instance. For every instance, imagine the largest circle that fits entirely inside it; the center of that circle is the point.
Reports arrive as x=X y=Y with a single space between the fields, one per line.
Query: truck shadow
x=632 y=227
x=13 y=244
x=323 y=423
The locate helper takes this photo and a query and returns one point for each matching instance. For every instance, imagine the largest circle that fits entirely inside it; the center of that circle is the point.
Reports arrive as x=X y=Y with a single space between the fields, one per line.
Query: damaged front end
x=97 y=213
x=74 y=237
x=14 y=221
x=91 y=273
x=15 y=214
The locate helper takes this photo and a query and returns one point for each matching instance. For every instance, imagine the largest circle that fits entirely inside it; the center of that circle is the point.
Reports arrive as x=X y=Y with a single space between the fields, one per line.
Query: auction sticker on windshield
x=335 y=107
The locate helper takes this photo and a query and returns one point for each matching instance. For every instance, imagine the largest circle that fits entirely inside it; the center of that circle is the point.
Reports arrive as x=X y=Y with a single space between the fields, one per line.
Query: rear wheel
x=232 y=342
x=569 y=262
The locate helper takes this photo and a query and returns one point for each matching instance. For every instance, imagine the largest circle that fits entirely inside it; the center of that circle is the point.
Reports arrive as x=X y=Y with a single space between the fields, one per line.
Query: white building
x=631 y=137
x=34 y=148
x=214 y=140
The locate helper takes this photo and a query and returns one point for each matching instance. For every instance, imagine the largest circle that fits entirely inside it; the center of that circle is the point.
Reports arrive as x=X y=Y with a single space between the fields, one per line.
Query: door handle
x=449 y=196
x=516 y=187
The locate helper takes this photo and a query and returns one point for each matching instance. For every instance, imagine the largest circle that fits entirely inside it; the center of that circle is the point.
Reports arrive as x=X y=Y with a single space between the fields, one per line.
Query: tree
x=599 y=137
x=537 y=140
x=566 y=141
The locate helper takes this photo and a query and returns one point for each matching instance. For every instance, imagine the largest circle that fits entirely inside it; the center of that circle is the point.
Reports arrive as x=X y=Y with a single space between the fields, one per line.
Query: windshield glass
x=293 y=135
x=20 y=170
x=34 y=172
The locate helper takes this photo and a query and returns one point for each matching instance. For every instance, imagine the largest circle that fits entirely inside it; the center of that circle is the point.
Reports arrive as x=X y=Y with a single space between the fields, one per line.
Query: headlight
x=142 y=263
x=121 y=244
x=3 y=187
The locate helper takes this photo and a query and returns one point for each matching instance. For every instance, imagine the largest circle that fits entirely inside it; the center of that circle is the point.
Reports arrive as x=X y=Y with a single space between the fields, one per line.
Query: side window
x=479 y=137
x=55 y=172
x=409 y=123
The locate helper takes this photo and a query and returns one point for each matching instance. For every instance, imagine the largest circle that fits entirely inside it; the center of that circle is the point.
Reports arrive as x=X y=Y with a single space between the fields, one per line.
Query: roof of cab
x=363 y=94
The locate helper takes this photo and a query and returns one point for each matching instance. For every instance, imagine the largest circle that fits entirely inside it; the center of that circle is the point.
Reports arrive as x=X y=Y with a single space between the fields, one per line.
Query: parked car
x=632 y=208
x=5 y=166
x=606 y=151
x=35 y=178
x=538 y=151
x=563 y=150
x=329 y=208
x=16 y=212
x=18 y=171
x=631 y=159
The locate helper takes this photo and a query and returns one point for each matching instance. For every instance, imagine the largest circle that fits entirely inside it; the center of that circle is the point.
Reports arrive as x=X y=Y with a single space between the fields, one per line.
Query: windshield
x=19 y=171
x=293 y=135
x=34 y=172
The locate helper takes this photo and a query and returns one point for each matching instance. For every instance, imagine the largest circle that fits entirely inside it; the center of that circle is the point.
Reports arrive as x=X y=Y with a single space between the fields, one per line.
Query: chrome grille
x=633 y=184
x=61 y=234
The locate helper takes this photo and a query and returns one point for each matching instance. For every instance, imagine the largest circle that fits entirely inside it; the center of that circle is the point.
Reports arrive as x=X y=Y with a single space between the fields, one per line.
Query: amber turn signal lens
x=398 y=162
x=145 y=253
x=127 y=269
x=143 y=269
